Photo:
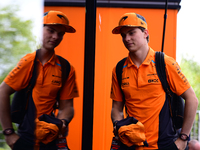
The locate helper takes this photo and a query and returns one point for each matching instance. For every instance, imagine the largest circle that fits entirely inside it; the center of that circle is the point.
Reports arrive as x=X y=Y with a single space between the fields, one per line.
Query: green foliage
x=191 y=70
x=16 y=38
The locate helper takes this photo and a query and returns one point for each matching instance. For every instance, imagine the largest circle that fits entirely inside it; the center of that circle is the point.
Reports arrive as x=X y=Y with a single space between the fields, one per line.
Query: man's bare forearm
x=5 y=118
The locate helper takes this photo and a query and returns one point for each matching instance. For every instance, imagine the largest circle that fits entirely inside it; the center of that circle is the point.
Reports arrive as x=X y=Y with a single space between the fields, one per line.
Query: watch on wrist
x=183 y=137
x=66 y=122
x=8 y=131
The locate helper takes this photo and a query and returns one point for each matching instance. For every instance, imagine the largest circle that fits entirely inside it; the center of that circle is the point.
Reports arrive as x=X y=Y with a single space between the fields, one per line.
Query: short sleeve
x=19 y=77
x=70 y=89
x=176 y=79
x=115 y=93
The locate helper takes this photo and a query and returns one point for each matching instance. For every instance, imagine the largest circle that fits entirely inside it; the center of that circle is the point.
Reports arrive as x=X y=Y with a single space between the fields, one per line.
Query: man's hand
x=11 y=139
x=64 y=130
x=180 y=144
x=65 y=114
x=115 y=132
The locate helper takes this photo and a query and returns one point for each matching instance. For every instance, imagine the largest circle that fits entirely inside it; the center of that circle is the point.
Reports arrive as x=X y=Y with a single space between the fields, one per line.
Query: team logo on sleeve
x=178 y=69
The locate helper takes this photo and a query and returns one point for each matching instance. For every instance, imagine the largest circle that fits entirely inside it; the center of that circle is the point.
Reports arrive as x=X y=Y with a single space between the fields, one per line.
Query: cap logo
x=123 y=19
x=60 y=16
x=63 y=18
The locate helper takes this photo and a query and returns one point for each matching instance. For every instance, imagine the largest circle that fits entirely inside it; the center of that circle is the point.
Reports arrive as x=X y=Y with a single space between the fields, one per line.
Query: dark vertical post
x=89 y=69
x=164 y=26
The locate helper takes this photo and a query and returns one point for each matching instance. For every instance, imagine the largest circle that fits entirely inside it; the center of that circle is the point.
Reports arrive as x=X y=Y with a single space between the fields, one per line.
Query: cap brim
x=117 y=30
x=69 y=29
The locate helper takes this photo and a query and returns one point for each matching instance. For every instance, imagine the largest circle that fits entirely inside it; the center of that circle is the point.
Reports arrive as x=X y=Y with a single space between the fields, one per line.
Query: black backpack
x=20 y=99
x=176 y=102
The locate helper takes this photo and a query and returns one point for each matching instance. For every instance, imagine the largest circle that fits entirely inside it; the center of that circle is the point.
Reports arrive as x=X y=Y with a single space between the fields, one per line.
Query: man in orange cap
x=45 y=91
x=144 y=100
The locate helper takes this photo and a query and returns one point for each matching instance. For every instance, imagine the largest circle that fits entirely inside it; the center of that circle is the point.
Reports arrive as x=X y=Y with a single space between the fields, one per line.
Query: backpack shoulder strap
x=65 y=67
x=160 y=68
x=34 y=74
x=119 y=68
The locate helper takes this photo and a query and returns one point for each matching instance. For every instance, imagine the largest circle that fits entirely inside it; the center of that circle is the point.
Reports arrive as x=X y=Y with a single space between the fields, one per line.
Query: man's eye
x=131 y=33
x=51 y=31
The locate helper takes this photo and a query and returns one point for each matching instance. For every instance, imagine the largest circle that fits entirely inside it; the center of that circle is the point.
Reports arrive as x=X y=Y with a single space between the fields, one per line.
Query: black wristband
x=66 y=122
x=183 y=137
x=8 y=131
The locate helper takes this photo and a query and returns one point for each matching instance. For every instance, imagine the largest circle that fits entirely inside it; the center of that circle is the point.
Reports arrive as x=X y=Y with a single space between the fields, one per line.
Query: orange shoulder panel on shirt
x=176 y=79
x=20 y=75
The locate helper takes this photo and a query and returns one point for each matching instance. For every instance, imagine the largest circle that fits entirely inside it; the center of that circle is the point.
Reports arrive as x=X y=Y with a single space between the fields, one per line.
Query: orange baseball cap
x=57 y=18
x=130 y=20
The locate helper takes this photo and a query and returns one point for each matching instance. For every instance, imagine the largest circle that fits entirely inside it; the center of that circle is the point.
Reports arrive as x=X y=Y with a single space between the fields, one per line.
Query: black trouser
x=22 y=145
x=173 y=147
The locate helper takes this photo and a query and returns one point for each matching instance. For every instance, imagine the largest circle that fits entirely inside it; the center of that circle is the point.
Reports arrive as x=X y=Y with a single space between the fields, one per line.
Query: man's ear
x=146 y=33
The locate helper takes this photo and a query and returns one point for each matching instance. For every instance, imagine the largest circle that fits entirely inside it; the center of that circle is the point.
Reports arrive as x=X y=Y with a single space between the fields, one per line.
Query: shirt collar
x=147 y=60
x=52 y=60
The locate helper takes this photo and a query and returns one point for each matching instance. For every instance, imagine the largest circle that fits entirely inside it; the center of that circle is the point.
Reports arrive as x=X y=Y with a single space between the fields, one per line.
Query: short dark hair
x=142 y=29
